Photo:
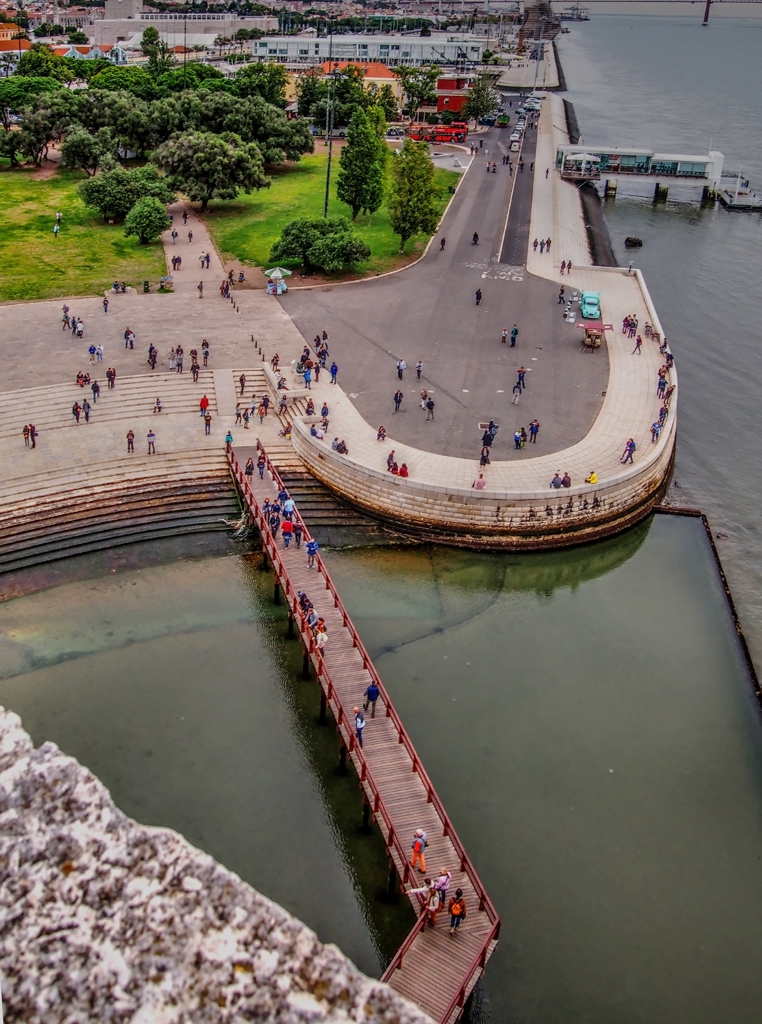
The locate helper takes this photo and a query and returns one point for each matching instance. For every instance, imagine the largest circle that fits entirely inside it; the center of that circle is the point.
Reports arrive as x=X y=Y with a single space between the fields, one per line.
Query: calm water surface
x=585 y=716
x=668 y=83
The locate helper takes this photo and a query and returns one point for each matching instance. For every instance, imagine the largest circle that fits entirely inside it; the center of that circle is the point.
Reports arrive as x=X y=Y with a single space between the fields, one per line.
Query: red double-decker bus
x=438 y=132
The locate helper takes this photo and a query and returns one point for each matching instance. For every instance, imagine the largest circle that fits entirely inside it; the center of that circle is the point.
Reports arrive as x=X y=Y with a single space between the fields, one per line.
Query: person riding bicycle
x=475 y=239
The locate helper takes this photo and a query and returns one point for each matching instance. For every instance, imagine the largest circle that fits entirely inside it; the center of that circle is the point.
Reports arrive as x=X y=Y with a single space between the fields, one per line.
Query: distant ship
x=575 y=13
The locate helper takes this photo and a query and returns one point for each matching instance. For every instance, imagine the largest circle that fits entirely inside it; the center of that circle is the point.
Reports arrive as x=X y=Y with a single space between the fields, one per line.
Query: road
x=428 y=312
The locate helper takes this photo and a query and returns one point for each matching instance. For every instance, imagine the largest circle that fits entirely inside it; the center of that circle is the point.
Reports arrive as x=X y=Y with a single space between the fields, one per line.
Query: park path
x=192 y=242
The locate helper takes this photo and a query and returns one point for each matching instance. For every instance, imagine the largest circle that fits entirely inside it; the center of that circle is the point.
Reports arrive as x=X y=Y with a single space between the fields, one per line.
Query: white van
x=515 y=147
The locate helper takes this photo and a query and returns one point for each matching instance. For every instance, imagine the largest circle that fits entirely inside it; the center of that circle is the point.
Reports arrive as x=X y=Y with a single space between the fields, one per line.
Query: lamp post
x=333 y=77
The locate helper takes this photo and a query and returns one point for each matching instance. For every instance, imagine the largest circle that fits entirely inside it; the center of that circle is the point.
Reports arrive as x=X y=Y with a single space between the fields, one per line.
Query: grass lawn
x=88 y=254
x=247 y=228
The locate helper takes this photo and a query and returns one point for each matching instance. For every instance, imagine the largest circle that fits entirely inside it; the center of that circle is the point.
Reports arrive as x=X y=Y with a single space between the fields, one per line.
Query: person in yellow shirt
x=593 y=478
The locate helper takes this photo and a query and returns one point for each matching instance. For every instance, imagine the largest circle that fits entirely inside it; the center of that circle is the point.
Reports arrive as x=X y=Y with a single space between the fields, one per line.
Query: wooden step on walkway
x=432 y=969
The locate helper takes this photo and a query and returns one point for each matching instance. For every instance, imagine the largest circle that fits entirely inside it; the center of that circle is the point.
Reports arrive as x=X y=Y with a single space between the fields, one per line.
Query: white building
x=439 y=48
x=126 y=20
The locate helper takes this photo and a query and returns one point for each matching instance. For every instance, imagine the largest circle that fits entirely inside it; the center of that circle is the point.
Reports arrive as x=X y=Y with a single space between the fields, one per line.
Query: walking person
x=561 y=295
x=516 y=393
x=312 y=549
x=401 y=367
x=334 y=372
x=105 y=305
x=207 y=423
x=629 y=448
x=298 y=530
x=190 y=237
x=430 y=408
x=371 y=696
x=521 y=375
x=457 y=910
x=638 y=346
x=442 y=885
x=514 y=335
x=418 y=369
x=33 y=434
x=534 y=428
x=261 y=464
x=151 y=437
x=200 y=289
x=504 y=335
x=442 y=243
x=76 y=409
x=420 y=842
x=398 y=396
x=86 y=410
x=130 y=441
x=25 y=432
x=359 y=723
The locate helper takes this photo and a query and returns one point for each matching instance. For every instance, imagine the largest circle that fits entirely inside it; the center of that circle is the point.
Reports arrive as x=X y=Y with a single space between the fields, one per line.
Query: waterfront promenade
x=429 y=306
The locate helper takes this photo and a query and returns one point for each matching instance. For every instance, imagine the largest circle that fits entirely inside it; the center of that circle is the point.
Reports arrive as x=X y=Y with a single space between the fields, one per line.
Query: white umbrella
x=278 y=272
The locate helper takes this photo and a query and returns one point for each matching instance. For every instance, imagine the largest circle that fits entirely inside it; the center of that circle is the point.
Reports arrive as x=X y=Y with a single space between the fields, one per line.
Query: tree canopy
x=207 y=166
x=360 y=182
x=419 y=85
x=147 y=219
x=412 y=193
x=114 y=193
x=326 y=244
x=481 y=99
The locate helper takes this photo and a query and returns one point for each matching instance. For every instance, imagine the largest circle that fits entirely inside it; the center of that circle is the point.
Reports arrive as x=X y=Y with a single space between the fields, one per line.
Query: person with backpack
x=420 y=842
x=457 y=911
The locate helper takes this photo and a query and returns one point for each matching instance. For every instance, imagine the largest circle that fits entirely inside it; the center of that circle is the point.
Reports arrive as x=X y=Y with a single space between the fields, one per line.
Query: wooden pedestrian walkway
x=432 y=969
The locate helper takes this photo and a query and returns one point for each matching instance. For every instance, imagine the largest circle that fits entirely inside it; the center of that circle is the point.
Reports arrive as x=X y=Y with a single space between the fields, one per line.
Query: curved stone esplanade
x=517 y=508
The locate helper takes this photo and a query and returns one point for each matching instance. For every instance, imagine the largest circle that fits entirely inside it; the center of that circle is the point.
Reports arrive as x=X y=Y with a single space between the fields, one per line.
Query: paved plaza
x=587 y=404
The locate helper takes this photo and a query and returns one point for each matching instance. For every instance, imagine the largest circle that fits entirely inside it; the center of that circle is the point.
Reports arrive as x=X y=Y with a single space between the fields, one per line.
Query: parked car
x=394 y=133
x=590 y=305
x=515 y=146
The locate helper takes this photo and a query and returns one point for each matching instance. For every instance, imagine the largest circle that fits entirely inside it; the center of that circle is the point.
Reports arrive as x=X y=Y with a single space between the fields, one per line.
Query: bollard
x=276 y=592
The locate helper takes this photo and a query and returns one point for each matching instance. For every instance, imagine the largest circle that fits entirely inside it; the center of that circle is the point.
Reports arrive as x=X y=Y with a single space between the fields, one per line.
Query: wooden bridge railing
x=346 y=728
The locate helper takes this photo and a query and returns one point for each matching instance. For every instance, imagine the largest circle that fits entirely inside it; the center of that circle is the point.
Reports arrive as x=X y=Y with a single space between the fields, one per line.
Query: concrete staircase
x=85 y=493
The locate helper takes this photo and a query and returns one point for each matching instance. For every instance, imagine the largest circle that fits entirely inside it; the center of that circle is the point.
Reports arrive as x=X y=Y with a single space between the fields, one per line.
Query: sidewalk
x=187 y=278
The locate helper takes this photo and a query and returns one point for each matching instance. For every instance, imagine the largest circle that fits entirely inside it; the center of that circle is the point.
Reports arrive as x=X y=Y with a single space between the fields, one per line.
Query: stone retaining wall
x=491 y=519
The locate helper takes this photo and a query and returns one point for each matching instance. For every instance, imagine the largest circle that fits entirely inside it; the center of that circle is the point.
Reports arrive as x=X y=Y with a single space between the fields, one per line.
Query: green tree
x=265 y=80
x=149 y=40
x=207 y=166
x=41 y=62
x=360 y=182
x=114 y=193
x=325 y=244
x=481 y=99
x=309 y=91
x=82 y=150
x=19 y=92
x=147 y=219
x=385 y=99
x=77 y=37
x=84 y=70
x=115 y=79
x=419 y=85
x=412 y=193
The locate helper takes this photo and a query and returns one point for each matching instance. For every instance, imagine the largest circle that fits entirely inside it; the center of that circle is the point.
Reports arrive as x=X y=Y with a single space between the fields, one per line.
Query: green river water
x=586 y=717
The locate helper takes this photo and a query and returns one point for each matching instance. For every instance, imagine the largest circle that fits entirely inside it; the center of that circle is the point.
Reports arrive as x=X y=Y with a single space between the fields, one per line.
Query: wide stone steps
x=50 y=407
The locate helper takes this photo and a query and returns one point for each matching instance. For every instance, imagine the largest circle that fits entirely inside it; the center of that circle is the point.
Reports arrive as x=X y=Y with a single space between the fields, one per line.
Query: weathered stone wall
x=102 y=919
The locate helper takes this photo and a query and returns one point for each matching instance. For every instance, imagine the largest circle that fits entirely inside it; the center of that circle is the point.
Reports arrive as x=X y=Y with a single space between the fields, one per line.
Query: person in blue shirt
x=371 y=696
x=312 y=550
